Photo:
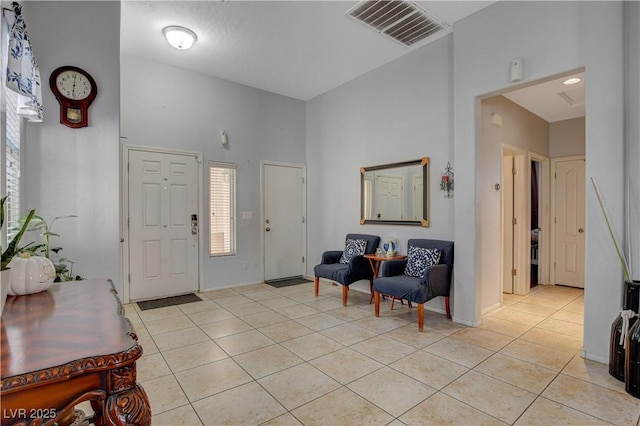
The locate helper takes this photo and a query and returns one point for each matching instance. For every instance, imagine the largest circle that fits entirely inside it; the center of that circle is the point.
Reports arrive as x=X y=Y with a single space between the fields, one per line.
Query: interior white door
x=570 y=222
x=508 y=226
x=284 y=222
x=389 y=197
x=163 y=248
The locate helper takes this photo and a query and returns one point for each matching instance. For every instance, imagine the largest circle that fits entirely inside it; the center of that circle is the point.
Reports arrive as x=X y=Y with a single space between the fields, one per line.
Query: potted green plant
x=12 y=249
x=63 y=266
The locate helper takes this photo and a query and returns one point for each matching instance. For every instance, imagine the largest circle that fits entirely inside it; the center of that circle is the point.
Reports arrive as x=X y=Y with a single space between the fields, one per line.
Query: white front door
x=283 y=221
x=570 y=222
x=163 y=248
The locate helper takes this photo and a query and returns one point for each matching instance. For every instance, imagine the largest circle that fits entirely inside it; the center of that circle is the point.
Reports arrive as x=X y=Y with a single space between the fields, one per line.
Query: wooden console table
x=375 y=261
x=67 y=345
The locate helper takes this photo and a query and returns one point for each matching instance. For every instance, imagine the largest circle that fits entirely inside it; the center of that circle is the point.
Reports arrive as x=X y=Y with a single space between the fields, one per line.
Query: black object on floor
x=287 y=282
x=168 y=301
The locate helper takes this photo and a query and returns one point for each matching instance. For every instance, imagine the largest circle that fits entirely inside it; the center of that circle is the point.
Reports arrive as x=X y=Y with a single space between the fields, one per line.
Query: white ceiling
x=552 y=100
x=300 y=49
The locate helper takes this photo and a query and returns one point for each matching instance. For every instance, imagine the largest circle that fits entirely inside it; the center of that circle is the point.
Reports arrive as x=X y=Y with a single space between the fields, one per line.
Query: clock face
x=73 y=85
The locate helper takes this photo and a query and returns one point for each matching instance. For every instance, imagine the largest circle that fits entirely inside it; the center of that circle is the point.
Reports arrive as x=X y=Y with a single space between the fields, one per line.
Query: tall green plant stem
x=623 y=260
x=12 y=248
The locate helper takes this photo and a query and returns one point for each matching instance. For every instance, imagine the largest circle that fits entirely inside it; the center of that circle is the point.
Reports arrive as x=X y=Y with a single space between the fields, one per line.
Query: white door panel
x=570 y=222
x=507 y=226
x=163 y=251
x=283 y=227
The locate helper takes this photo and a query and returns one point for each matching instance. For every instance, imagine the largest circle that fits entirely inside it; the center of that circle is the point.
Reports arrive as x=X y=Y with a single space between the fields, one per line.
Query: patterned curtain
x=22 y=73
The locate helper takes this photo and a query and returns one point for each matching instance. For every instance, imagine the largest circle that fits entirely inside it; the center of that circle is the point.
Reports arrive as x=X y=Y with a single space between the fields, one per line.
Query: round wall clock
x=74 y=89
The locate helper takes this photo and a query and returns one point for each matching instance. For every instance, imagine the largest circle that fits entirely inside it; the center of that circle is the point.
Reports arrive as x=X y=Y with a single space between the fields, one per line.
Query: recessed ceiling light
x=572 y=80
x=179 y=37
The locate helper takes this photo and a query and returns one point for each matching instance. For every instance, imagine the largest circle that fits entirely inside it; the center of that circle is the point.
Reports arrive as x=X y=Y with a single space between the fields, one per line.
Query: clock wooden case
x=75 y=90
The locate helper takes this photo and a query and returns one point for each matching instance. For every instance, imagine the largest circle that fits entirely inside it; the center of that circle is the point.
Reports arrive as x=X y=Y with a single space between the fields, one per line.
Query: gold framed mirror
x=396 y=193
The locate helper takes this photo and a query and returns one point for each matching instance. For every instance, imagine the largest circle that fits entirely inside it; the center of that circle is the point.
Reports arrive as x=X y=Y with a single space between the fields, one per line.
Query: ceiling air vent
x=403 y=21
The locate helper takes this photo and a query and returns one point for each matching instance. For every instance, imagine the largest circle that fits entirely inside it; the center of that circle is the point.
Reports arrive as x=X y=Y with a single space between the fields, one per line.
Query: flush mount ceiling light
x=179 y=37
x=572 y=80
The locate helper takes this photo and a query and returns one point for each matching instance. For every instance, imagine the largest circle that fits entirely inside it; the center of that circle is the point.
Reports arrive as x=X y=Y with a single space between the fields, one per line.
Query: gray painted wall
x=484 y=45
x=168 y=107
x=567 y=137
x=76 y=171
x=398 y=112
x=632 y=154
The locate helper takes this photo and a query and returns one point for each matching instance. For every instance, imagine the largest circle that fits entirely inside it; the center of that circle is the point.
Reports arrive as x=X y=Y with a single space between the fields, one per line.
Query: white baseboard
x=204 y=290
x=491 y=309
x=467 y=323
x=586 y=355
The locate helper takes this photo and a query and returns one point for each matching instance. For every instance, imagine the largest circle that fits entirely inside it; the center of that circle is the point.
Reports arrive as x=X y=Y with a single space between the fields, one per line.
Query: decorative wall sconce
x=446 y=181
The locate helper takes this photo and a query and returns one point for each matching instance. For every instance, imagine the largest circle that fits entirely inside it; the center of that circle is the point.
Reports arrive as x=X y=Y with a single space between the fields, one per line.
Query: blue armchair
x=436 y=280
x=345 y=274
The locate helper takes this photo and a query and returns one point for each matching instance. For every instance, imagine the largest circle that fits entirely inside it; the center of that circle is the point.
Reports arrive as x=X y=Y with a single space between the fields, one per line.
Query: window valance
x=21 y=71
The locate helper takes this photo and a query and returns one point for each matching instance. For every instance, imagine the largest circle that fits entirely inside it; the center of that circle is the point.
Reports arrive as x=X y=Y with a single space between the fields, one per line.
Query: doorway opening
x=535 y=223
x=530 y=134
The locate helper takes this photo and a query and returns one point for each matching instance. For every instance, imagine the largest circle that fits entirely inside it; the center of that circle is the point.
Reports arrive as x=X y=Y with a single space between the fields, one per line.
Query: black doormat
x=287 y=282
x=168 y=301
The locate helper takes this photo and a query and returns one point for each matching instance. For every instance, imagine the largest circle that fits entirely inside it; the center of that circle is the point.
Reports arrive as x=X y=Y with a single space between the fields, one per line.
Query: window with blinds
x=12 y=161
x=222 y=200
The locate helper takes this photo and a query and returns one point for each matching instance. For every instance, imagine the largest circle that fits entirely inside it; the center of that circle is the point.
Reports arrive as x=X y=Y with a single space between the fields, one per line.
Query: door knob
x=581 y=230
x=268 y=229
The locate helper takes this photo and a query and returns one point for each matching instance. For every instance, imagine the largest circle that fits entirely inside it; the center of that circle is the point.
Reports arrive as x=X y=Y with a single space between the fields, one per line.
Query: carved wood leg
x=376 y=299
x=345 y=292
x=130 y=407
x=447 y=307
x=98 y=408
x=317 y=284
x=421 y=316
x=371 y=289
x=127 y=403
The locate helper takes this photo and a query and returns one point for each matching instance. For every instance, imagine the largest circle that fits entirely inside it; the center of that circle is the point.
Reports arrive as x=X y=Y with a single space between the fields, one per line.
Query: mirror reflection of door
x=389 y=198
x=417 y=197
x=396 y=192
x=367 y=194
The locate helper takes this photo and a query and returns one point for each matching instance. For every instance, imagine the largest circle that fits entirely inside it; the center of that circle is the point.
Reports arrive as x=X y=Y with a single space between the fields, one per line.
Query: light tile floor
x=261 y=355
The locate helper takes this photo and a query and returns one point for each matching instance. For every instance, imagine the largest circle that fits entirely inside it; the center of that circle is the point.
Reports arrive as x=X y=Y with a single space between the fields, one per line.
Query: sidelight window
x=222 y=200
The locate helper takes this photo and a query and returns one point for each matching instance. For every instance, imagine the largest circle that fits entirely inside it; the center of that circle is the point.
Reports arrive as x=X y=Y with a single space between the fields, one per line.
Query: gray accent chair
x=357 y=269
x=435 y=282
